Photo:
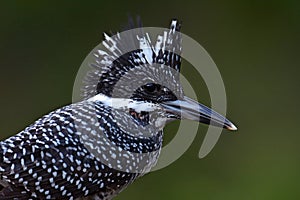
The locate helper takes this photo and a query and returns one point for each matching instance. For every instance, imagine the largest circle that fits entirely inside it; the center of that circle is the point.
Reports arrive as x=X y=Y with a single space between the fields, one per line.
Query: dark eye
x=151 y=87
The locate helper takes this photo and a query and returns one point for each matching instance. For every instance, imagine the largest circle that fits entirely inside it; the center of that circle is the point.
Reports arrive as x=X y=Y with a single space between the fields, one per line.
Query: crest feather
x=114 y=61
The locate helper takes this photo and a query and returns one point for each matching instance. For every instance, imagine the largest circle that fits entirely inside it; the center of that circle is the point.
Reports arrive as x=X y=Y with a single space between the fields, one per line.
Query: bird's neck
x=117 y=140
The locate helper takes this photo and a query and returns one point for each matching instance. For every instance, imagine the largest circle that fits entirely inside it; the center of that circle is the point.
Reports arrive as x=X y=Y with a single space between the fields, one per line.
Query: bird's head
x=147 y=79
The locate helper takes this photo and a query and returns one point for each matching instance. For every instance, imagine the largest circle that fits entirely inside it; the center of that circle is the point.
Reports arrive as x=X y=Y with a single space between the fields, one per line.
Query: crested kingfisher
x=94 y=148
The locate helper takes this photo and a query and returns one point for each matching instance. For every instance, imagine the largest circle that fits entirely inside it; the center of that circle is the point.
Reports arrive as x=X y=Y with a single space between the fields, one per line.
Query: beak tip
x=232 y=127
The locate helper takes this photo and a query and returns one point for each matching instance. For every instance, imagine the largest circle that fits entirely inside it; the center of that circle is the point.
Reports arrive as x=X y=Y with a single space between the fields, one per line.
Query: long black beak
x=192 y=110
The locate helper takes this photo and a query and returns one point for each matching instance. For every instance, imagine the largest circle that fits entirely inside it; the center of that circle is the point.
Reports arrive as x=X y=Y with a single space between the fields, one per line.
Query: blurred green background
x=254 y=43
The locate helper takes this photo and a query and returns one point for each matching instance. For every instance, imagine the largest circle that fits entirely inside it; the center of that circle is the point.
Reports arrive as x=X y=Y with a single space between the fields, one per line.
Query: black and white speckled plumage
x=48 y=159
x=55 y=158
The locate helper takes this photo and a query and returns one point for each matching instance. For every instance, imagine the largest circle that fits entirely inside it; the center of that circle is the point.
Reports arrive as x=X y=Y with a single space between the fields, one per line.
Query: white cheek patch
x=143 y=106
x=121 y=103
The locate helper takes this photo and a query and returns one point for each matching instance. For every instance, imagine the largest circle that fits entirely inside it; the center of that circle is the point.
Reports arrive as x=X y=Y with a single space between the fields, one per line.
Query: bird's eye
x=151 y=87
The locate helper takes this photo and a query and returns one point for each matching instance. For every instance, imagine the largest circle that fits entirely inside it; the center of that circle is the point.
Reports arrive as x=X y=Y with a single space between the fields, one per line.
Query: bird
x=96 y=147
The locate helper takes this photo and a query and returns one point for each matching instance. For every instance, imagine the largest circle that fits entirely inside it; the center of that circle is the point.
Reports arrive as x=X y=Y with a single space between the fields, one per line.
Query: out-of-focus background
x=254 y=43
